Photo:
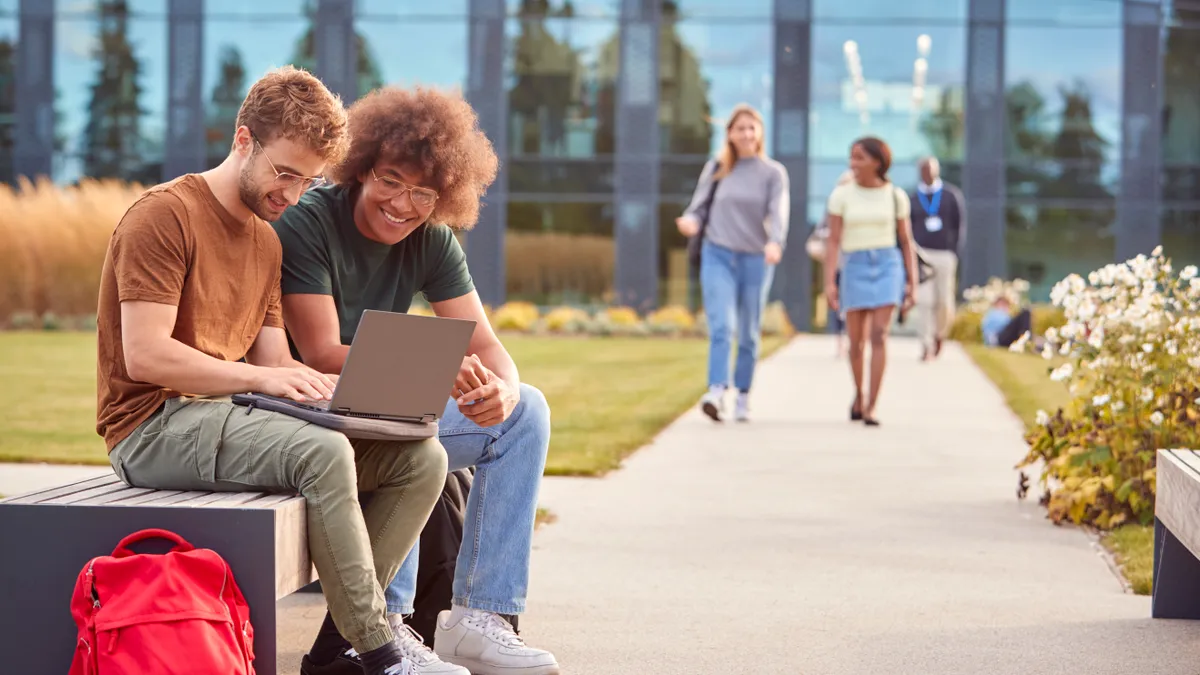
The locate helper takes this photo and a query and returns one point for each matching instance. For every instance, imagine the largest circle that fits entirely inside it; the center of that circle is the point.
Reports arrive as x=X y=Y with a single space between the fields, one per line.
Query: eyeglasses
x=390 y=188
x=285 y=180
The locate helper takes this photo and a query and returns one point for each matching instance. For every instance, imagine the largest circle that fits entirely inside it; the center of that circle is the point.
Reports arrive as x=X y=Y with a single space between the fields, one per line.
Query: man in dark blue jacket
x=939 y=219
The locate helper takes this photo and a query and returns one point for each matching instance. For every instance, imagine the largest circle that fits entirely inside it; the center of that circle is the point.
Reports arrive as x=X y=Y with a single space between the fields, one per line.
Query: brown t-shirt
x=176 y=245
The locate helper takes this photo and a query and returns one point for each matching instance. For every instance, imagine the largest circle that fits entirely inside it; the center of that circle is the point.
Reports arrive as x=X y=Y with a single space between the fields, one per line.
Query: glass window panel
x=709 y=9
x=559 y=253
x=561 y=87
x=563 y=8
x=1069 y=12
x=677 y=284
x=411 y=8
x=1062 y=179
x=1063 y=98
x=706 y=68
x=1184 y=13
x=1046 y=242
x=8 y=95
x=258 y=9
x=875 y=10
x=88 y=8
x=901 y=82
x=562 y=176
x=9 y=6
x=1181 y=183
x=236 y=53
x=1181 y=236
x=111 y=90
x=1181 y=98
x=677 y=177
x=382 y=59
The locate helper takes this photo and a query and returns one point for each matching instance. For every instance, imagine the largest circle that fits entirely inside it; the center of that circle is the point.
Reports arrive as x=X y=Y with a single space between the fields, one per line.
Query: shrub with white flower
x=1132 y=349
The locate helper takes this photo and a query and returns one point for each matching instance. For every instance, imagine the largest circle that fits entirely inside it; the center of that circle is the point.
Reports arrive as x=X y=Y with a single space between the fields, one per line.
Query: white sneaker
x=742 y=409
x=423 y=660
x=713 y=403
x=486 y=644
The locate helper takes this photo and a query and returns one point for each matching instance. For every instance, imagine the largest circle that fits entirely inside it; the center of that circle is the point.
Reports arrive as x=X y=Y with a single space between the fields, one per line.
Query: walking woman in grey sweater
x=747 y=223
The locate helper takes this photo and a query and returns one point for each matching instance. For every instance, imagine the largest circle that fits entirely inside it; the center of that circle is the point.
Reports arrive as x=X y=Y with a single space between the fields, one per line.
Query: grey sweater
x=750 y=208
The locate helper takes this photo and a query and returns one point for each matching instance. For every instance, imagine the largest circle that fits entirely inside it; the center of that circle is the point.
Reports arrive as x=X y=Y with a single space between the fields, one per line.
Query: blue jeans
x=735 y=287
x=492 y=572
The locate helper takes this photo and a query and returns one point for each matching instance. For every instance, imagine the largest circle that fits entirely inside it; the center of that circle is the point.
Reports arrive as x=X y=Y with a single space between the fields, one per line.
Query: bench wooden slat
x=80 y=496
x=1188 y=457
x=112 y=497
x=274 y=501
x=231 y=499
x=1177 y=503
x=78 y=486
x=152 y=498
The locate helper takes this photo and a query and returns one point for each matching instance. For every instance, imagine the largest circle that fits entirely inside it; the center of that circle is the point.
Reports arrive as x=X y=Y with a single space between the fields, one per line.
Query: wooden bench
x=1177 y=536
x=48 y=536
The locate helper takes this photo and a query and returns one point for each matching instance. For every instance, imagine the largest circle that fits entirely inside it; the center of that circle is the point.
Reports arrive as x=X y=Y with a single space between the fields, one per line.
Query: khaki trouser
x=212 y=444
x=936 y=297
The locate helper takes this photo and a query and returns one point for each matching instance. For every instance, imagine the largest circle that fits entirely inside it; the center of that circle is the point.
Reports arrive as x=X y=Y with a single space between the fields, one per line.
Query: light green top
x=869 y=215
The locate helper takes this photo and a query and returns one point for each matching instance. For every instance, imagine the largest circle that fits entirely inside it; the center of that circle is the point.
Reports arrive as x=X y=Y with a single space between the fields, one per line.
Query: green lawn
x=608 y=396
x=1024 y=380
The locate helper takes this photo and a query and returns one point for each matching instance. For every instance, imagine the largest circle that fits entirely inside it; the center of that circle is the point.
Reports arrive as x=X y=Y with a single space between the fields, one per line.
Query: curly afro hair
x=431 y=131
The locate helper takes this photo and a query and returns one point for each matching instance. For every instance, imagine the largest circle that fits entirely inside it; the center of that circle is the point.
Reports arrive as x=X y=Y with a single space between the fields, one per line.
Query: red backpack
x=175 y=614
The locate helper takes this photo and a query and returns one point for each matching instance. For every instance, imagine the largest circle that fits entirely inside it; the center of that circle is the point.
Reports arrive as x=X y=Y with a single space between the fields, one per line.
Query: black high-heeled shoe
x=871 y=421
x=855 y=415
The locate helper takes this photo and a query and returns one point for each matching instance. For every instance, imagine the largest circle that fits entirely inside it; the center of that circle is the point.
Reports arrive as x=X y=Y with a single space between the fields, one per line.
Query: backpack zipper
x=92 y=584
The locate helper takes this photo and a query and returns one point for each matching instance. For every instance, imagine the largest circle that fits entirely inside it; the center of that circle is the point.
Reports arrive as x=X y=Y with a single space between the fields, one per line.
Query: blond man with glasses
x=382 y=233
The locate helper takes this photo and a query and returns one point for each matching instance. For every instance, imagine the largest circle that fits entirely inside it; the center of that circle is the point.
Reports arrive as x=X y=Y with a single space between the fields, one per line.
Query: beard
x=253 y=196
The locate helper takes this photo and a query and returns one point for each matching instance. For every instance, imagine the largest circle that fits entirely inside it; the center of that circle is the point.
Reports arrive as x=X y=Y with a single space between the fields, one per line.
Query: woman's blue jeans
x=735 y=287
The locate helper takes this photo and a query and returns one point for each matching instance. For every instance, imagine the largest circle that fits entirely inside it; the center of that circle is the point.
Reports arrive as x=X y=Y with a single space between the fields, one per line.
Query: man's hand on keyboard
x=299 y=383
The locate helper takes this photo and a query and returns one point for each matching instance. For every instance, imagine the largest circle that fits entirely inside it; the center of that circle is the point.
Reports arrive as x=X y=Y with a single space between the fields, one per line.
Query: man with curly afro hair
x=416 y=170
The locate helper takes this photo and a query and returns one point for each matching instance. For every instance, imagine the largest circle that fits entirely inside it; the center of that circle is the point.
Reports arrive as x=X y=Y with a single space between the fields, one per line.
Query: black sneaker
x=346 y=663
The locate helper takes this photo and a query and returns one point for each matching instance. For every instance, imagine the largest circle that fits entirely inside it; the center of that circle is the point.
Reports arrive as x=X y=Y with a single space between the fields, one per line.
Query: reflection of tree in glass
x=944 y=126
x=224 y=103
x=112 y=135
x=1057 y=165
x=684 y=109
x=548 y=81
x=305 y=54
x=1181 y=113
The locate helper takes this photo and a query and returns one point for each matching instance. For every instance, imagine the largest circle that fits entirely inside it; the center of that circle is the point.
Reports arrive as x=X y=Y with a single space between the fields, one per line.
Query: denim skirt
x=870 y=279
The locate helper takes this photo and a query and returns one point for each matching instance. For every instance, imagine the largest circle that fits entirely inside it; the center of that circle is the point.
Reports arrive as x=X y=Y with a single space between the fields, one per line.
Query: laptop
x=401 y=368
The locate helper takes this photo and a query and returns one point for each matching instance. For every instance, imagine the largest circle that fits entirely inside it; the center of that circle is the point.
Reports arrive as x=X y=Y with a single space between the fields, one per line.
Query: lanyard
x=930 y=204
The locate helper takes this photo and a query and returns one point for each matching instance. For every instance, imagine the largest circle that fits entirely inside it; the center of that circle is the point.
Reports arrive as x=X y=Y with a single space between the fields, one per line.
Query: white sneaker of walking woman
x=486 y=644
x=713 y=403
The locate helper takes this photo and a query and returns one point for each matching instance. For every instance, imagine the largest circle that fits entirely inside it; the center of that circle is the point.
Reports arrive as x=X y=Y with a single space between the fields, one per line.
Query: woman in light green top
x=868 y=218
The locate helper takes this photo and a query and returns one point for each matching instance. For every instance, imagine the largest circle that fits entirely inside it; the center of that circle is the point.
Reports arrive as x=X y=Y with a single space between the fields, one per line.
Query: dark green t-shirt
x=325 y=254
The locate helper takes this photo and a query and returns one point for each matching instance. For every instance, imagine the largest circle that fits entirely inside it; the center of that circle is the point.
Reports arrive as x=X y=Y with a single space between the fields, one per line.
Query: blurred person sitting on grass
x=384 y=231
x=189 y=314
x=1000 y=328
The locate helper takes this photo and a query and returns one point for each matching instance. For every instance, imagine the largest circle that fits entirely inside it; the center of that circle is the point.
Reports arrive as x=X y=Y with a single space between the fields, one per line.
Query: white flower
x=1019 y=345
x=1148 y=348
x=1062 y=372
x=1118 y=406
x=1157 y=418
x=1096 y=339
x=1194 y=284
x=1157 y=252
x=1042 y=418
x=1189 y=272
x=1147 y=395
x=1100 y=400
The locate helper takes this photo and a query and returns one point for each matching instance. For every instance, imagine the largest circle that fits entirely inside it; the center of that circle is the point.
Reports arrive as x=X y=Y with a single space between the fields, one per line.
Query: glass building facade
x=1072 y=126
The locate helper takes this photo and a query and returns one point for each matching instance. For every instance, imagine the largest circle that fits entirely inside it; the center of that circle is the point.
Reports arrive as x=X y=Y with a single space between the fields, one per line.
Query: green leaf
x=1126 y=488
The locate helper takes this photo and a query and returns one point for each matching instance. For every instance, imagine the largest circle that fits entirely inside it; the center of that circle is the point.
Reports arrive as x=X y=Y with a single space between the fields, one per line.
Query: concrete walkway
x=804 y=544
